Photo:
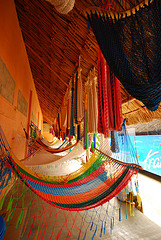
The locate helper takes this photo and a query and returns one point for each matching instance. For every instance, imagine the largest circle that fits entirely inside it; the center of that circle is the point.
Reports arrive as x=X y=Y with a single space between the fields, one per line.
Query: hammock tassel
x=40 y=231
x=94 y=233
x=10 y=214
x=114 y=142
x=36 y=236
x=59 y=233
x=126 y=210
x=31 y=228
x=10 y=204
x=104 y=228
x=92 y=148
x=2 y=200
x=111 y=227
x=130 y=204
x=20 y=219
x=139 y=200
x=85 y=235
x=79 y=235
x=101 y=230
x=133 y=210
x=119 y=214
x=85 y=129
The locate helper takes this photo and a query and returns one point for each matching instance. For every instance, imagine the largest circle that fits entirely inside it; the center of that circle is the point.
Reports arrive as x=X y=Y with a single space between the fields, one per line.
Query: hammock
x=132 y=48
x=57 y=150
x=82 y=190
x=57 y=145
x=95 y=183
x=40 y=157
x=43 y=221
x=109 y=98
x=54 y=144
x=45 y=160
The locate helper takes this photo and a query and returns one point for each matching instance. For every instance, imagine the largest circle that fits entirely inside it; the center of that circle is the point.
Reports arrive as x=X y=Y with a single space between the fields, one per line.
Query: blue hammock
x=132 y=48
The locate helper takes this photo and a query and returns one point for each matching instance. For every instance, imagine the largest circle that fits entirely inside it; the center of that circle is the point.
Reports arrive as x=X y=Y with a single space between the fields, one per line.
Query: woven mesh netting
x=132 y=48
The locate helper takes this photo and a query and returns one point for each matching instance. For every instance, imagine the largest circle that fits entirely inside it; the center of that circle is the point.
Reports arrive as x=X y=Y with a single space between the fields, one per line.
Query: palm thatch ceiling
x=54 y=43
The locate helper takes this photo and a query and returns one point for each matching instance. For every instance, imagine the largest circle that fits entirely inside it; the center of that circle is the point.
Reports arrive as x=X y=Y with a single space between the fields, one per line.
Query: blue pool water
x=149 y=152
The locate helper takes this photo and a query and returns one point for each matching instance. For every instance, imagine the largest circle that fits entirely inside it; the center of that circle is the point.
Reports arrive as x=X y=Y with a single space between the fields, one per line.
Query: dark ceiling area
x=54 y=43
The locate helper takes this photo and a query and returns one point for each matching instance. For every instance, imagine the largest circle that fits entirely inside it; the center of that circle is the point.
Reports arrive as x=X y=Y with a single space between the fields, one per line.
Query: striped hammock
x=95 y=183
x=63 y=147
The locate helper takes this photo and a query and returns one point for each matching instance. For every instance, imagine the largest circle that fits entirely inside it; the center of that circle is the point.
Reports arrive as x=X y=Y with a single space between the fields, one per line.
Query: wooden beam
x=140 y=108
x=128 y=100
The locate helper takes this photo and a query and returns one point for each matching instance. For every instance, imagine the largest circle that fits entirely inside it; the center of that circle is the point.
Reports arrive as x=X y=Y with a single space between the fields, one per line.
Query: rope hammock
x=60 y=145
x=131 y=47
x=72 y=127
x=83 y=192
x=51 y=164
x=42 y=218
x=92 y=103
x=109 y=98
x=98 y=181
x=57 y=143
x=90 y=188
x=79 y=95
x=57 y=150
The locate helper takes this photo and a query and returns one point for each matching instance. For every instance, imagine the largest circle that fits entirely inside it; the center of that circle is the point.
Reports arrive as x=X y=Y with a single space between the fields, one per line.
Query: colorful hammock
x=43 y=221
x=58 y=145
x=57 y=150
x=98 y=181
x=53 y=144
x=92 y=185
x=90 y=188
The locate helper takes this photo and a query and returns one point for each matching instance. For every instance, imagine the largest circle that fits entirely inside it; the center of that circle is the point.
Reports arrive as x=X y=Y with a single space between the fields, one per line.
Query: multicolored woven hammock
x=87 y=188
x=94 y=184
x=98 y=181
x=64 y=146
x=40 y=220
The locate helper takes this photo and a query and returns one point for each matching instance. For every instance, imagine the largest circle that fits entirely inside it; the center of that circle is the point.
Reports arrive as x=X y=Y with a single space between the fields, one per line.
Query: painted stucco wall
x=16 y=82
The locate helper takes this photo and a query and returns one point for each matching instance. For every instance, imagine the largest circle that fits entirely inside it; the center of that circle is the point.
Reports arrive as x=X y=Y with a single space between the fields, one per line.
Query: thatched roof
x=147 y=128
x=54 y=43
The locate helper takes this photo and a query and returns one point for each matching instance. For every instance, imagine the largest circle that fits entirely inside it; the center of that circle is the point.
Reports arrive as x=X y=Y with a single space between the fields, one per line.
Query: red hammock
x=109 y=98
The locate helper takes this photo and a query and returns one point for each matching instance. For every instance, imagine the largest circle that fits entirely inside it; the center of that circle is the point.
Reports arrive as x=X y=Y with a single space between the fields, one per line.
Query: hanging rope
x=72 y=128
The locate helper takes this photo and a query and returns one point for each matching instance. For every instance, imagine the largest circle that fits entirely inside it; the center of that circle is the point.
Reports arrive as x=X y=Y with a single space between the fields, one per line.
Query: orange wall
x=14 y=56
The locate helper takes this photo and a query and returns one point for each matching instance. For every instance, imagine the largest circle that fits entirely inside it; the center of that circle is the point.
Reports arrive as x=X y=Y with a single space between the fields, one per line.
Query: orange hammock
x=57 y=150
